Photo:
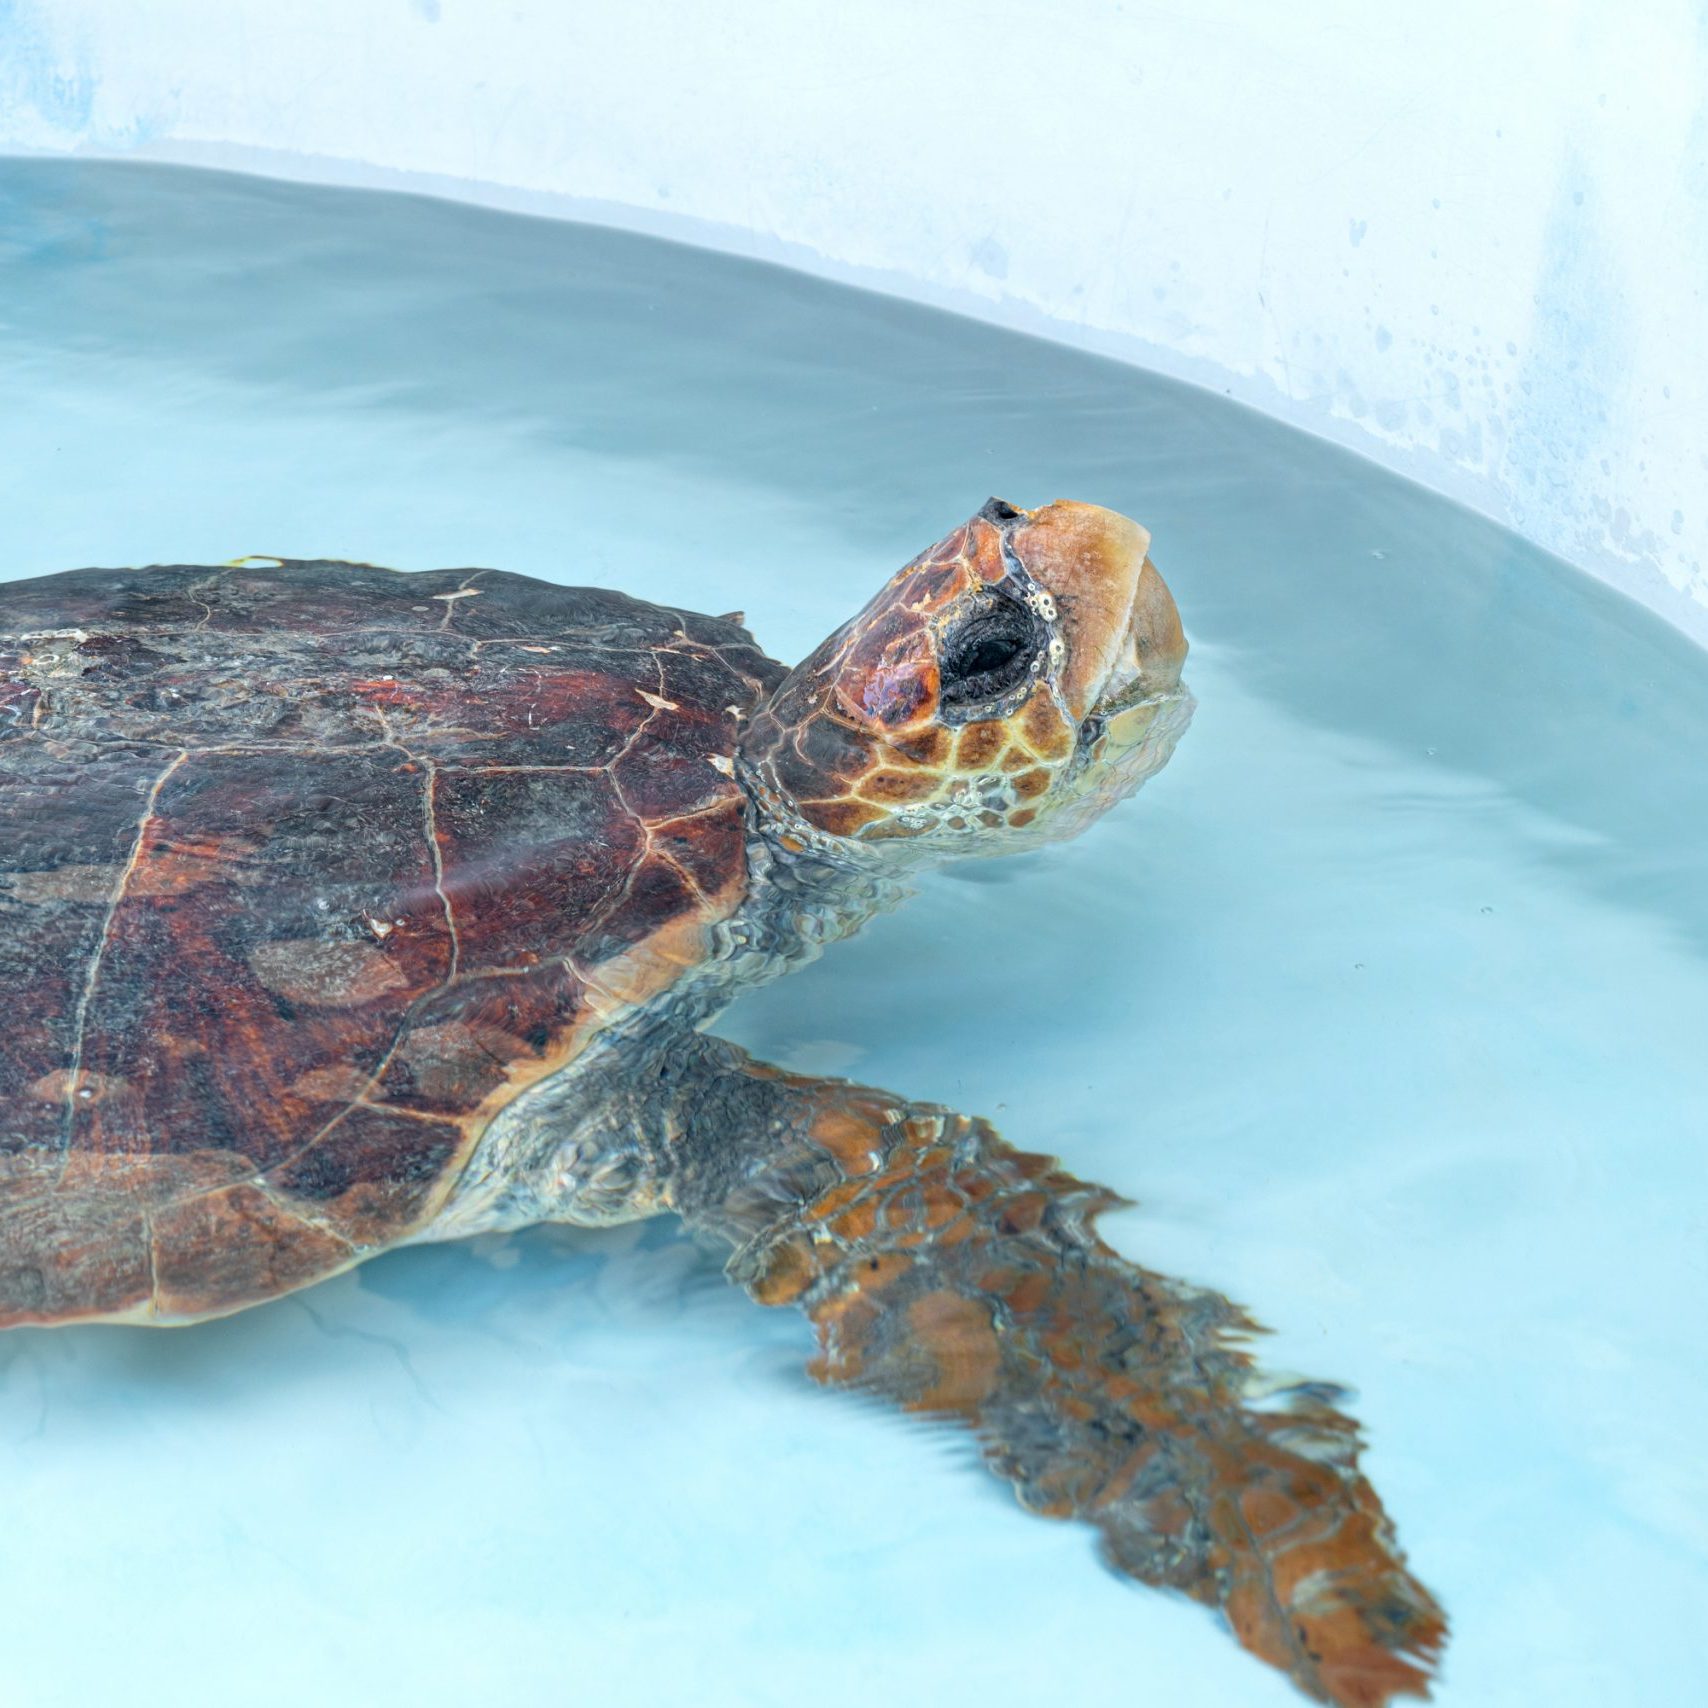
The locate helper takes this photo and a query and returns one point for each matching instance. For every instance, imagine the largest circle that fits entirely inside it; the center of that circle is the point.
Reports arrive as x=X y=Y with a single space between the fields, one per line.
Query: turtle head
x=1003 y=689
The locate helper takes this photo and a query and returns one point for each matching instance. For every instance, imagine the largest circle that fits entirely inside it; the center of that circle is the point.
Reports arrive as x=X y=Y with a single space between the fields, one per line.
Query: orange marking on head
x=1044 y=728
x=1265 y=1510
x=900 y=788
x=840 y=817
x=1029 y=1294
x=928 y=747
x=979 y=744
x=876 y=1273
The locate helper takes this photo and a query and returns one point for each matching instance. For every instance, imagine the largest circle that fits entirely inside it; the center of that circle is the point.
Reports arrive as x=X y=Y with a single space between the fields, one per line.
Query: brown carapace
x=306 y=872
x=341 y=908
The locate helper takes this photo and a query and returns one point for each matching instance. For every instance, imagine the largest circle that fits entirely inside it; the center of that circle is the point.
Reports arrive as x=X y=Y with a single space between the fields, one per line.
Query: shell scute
x=704 y=845
x=233 y=1247
x=523 y=852
x=466 y=1044
x=551 y=711
x=374 y=1171
x=659 y=783
x=657 y=893
x=60 y=873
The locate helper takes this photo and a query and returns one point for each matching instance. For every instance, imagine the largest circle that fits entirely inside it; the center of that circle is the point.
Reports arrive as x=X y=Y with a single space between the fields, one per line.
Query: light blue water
x=1387 y=1000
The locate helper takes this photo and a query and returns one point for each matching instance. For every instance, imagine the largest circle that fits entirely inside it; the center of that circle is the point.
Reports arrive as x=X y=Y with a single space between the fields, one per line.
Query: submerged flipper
x=964 y=1279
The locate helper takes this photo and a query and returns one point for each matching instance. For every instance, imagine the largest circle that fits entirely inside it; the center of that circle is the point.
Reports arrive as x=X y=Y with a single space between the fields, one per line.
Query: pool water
x=1386 y=1000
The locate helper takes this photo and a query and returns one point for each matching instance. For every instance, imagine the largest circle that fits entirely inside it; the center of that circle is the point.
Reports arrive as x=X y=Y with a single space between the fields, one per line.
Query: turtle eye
x=989 y=654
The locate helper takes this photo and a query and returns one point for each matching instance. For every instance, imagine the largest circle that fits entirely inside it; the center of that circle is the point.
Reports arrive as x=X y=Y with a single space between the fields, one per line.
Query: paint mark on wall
x=990 y=257
x=1572 y=371
x=41 y=75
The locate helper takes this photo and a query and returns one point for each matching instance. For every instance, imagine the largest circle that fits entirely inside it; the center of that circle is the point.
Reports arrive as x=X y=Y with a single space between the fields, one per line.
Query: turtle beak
x=1124 y=640
x=1152 y=648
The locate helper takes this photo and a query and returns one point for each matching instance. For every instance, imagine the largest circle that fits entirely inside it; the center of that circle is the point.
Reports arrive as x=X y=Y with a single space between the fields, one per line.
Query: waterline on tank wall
x=1511 y=490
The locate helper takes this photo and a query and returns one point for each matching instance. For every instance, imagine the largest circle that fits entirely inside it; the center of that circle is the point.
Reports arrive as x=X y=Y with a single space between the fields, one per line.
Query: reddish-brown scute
x=305 y=870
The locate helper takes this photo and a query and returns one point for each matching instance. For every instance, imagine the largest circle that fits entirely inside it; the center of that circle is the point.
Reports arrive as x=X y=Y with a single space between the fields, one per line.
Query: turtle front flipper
x=964 y=1279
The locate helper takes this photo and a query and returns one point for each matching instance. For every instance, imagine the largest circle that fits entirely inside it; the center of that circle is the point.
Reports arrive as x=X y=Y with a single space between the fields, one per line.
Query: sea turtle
x=342 y=908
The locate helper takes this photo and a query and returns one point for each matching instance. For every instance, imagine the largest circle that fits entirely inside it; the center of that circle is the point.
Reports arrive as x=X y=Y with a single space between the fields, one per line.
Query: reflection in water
x=1385 y=1000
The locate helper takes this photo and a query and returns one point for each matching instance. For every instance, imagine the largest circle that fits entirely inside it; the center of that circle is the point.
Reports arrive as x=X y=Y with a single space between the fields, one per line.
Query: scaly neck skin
x=806 y=890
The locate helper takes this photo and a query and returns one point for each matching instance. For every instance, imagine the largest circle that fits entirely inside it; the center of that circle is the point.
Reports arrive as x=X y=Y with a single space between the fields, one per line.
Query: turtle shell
x=306 y=870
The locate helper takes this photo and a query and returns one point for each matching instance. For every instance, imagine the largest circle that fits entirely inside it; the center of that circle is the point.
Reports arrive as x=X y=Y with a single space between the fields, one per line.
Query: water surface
x=1387 y=1001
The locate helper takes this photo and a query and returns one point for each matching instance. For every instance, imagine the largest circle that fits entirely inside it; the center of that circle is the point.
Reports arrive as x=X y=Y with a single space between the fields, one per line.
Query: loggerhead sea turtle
x=342 y=908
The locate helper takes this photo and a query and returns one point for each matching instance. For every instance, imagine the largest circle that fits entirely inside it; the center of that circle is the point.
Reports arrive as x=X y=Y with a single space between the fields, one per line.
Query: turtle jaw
x=1151 y=650
x=1142 y=685
x=1120 y=747
x=1126 y=648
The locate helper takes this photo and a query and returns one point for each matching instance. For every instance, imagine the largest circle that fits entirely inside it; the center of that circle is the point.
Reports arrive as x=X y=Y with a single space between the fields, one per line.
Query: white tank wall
x=1469 y=240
